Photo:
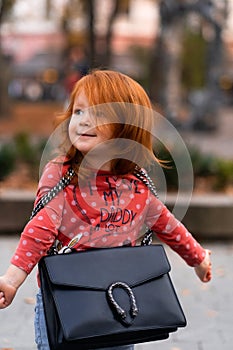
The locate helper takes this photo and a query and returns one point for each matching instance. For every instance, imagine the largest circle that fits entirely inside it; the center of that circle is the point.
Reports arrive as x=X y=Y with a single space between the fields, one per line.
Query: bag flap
x=98 y=268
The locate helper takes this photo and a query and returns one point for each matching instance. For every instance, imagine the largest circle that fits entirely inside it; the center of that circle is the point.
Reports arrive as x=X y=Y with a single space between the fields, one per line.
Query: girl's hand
x=7 y=292
x=204 y=270
x=9 y=284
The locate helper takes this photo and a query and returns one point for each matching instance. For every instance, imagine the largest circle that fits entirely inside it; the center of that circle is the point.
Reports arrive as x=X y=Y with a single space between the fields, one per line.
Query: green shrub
x=7 y=160
x=24 y=148
x=203 y=164
x=29 y=151
x=224 y=176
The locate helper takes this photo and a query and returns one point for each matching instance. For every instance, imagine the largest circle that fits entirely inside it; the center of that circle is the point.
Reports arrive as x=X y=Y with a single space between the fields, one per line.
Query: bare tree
x=48 y=6
x=5 y=7
x=88 y=9
x=118 y=6
x=167 y=54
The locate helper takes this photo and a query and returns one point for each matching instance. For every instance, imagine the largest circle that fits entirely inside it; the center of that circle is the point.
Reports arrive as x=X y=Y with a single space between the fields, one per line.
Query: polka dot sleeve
x=172 y=232
x=40 y=233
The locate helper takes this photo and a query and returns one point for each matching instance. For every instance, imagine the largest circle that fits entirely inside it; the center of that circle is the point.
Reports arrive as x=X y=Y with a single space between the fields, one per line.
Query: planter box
x=208 y=216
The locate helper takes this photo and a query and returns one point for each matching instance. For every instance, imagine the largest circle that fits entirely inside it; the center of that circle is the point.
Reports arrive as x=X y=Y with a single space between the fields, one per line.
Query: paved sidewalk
x=208 y=307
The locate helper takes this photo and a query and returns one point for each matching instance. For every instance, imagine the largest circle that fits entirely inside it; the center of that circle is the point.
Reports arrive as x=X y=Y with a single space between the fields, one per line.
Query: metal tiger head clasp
x=117 y=308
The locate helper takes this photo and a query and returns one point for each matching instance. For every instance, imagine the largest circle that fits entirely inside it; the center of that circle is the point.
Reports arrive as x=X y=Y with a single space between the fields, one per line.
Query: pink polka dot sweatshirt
x=103 y=211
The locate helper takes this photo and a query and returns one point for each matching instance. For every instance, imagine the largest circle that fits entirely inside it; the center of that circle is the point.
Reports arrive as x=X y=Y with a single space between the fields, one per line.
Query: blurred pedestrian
x=77 y=67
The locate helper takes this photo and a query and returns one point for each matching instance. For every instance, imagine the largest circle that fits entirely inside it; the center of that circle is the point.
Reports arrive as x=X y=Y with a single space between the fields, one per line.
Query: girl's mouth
x=86 y=135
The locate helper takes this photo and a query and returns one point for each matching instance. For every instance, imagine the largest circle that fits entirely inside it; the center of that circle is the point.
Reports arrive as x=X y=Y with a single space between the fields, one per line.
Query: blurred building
x=31 y=30
x=35 y=29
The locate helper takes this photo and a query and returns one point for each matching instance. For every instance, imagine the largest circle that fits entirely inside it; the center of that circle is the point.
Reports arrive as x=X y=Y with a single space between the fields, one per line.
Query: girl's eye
x=79 y=112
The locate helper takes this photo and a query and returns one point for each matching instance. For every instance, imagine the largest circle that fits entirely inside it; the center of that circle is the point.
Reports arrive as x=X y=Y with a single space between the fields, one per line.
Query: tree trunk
x=109 y=34
x=91 y=29
x=4 y=83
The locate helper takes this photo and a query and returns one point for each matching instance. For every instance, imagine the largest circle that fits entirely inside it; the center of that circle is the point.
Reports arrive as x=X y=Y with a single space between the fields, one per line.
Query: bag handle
x=142 y=175
x=66 y=179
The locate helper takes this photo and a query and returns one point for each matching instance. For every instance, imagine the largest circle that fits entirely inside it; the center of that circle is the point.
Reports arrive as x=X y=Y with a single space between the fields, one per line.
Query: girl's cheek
x=72 y=134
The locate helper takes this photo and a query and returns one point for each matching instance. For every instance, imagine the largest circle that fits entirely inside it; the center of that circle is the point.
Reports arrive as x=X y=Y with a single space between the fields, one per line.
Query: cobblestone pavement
x=208 y=307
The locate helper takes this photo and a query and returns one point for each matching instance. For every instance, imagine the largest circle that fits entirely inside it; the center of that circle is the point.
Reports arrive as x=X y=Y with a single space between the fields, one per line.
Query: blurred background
x=181 y=51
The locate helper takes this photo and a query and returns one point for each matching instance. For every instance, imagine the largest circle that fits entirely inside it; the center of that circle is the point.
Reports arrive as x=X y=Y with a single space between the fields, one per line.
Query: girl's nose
x=86 y=119
x=85 y=123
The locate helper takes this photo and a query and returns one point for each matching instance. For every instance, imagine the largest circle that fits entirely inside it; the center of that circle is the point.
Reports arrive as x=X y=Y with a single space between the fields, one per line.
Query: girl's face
x=83 y=131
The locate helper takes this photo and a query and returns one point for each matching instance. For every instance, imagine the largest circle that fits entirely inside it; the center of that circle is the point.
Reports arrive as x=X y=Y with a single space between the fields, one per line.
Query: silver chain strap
x=145 y=178
x=65 y=181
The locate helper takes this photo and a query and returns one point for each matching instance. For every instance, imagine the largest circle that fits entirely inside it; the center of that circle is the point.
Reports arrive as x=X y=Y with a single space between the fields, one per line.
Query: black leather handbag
x=109 y=297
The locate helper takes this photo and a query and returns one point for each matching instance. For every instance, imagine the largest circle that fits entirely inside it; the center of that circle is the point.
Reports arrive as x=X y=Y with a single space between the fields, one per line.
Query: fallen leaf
x=186 y=292
x=29 y=300
x=212 y=313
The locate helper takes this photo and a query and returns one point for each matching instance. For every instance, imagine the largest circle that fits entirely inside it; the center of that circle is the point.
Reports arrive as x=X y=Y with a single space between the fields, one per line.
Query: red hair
x=133 y=114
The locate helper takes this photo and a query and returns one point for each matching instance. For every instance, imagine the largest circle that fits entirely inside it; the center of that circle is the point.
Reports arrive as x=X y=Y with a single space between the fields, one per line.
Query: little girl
x=107 y=135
